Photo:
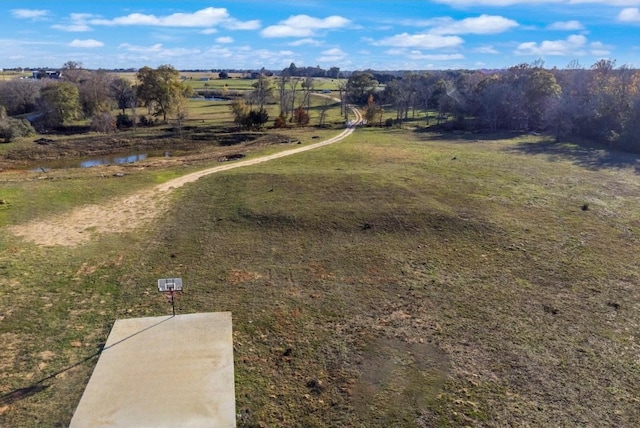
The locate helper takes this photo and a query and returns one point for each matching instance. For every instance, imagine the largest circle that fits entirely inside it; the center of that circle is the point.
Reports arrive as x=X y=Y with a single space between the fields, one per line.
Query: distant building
x=47 y=74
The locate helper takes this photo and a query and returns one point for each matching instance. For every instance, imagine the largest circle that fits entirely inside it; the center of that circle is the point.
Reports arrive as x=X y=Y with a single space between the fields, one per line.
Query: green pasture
x=236 y=81
x=241 y=84
x=397 y=278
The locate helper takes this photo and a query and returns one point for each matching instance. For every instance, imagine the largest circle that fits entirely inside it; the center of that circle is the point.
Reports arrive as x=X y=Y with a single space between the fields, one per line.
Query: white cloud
x=270 y=58
x=158 y=50
x=575 y=45
x=133 y=48
x=483 y=24
x=303 y=42
x=226 y=39
x=89 y=43
x=246 y=57
x=29 y=13
x=599 y=49
x=566 y=26
x=78 y=22
x=208 y=17
x=234 y=24
x=465 y=3
x=203 y=18
x=487 y=50
x=72 y=28
x=424 y=41
x=571 y=46
x=630 y=14
x=417 y=22
x=332 y=55
x=207 y=31
x=417 y=55
x=608 y=3
x=220 y=52
x=304 y=26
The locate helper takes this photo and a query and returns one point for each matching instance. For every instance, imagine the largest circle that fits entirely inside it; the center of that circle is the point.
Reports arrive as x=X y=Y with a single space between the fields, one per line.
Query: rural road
x=127 y=213
x=180 y=181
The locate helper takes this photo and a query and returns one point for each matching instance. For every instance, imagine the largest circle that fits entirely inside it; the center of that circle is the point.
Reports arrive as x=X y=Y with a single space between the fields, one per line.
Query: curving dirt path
x=136 y=210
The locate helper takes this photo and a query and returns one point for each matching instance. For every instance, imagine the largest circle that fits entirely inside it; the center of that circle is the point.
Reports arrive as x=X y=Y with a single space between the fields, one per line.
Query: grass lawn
x=393 y=279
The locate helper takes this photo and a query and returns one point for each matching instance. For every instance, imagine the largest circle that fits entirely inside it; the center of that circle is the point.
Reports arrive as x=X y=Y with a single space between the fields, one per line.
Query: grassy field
x=394 y=279
x=235 y=82
x=10 y=75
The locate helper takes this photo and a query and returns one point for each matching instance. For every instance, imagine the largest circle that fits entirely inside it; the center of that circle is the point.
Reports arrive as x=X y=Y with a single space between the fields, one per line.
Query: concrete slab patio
x=163 y=372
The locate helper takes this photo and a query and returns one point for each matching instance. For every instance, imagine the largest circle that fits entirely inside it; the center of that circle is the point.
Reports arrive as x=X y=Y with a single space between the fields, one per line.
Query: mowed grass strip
x=393 y=279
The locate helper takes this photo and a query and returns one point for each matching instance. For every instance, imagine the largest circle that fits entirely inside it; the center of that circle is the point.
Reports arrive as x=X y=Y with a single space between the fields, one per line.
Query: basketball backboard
x=170 y=284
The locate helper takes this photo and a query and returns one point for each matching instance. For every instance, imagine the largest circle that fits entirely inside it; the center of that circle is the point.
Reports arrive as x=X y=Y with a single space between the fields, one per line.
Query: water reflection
x=98 y=161
x=113 y=160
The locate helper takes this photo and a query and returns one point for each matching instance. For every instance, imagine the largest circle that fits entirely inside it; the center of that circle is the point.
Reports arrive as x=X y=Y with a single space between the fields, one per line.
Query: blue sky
x=352 y=35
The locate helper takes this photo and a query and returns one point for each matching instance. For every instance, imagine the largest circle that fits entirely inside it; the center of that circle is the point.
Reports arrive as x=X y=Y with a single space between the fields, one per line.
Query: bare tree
x=308 y=86
x=262 y=91
x=293 y=84
x=95 y=94
x=122 y=92
x=73 y=72
x=20 y=96
x=326 y=103
x=282 y=94
x=342 y=91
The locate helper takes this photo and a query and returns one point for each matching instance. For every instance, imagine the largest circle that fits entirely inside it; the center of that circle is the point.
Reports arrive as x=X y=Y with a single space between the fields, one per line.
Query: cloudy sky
x=350 y=34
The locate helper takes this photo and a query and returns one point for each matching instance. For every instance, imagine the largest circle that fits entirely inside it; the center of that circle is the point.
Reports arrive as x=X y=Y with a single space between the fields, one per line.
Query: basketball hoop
x=168 y=286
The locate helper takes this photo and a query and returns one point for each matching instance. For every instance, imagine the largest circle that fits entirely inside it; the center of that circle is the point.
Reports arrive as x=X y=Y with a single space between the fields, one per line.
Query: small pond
x=119 y=159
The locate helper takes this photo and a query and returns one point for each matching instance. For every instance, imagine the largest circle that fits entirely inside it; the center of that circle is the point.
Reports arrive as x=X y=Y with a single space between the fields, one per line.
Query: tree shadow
x=591 y=156
x=42 y=384
x=435 y=133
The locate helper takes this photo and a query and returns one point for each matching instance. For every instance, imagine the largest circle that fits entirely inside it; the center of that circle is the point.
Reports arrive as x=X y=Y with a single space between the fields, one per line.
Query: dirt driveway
x=127 y=213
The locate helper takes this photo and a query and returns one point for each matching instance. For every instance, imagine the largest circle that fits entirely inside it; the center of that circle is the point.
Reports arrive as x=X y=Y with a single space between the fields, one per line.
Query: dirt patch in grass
x=396 y=377
x=83 y=224
x=133 y=211
x=240 y=276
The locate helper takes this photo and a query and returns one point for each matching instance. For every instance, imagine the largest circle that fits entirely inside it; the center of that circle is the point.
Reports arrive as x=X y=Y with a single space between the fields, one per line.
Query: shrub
x=280 y=122
x=300 y=116
x=146 y=121
x=103 y=122
x=123 y=121
x=257 y=118
x=13 y=128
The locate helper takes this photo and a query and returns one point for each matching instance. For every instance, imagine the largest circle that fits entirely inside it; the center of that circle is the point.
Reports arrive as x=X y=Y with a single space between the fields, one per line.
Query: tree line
x=80 y=93
x=601 y=102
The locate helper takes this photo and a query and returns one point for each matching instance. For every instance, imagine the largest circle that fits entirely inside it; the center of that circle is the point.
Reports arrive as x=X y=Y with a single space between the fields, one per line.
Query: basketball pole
x=168 y=286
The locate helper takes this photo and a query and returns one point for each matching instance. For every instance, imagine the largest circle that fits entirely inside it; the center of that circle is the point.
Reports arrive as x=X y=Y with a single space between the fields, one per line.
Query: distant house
x=204 y=79
x=47 y=74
